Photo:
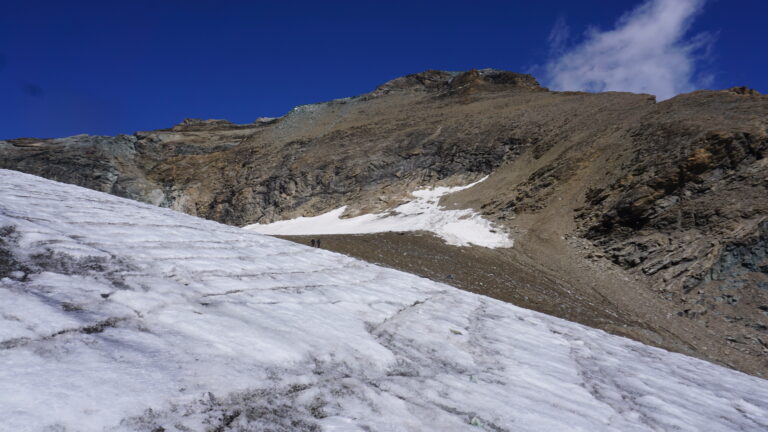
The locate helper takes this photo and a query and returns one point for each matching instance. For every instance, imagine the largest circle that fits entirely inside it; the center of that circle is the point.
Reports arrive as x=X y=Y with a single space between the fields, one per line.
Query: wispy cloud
x=558 y=37
x=648 y=51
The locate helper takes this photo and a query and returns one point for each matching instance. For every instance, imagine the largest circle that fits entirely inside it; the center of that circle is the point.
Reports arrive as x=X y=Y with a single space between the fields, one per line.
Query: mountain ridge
x=670 y=195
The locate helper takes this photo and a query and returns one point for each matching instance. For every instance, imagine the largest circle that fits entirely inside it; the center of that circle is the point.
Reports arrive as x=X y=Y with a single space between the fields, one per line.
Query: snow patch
x=457 y=227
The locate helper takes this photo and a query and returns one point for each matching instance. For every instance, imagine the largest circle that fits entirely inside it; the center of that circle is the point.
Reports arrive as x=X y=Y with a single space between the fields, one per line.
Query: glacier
x=120 y=316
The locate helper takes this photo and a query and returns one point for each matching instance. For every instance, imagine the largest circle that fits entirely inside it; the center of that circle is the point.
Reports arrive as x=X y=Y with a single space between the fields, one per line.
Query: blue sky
x=116 y=67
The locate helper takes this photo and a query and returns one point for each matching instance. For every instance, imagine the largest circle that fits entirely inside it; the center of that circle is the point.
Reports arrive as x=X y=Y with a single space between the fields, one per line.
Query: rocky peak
x=743 y=90
x=446 y=82
x=189 y=124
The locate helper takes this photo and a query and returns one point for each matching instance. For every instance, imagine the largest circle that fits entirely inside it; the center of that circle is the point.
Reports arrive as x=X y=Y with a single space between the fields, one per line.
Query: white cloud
x=647 y=52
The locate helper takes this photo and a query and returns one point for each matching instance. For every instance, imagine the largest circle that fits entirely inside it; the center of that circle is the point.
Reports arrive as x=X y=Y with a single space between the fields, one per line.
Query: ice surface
x=126 y=317
x=423 y=213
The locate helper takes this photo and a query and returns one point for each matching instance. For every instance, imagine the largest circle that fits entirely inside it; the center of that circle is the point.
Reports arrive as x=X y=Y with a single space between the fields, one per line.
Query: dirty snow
x=120 y=316
x=457 y=227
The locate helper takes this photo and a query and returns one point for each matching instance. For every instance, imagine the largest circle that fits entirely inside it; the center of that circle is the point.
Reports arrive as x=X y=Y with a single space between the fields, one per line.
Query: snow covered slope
x=120 y=316
x=457 y=227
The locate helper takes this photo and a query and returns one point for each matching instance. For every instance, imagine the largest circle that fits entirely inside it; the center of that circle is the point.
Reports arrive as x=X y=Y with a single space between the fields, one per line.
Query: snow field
x=120 y=316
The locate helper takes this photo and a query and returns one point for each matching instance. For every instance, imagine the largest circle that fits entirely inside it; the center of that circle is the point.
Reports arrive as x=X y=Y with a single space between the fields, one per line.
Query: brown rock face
x=658 y=212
